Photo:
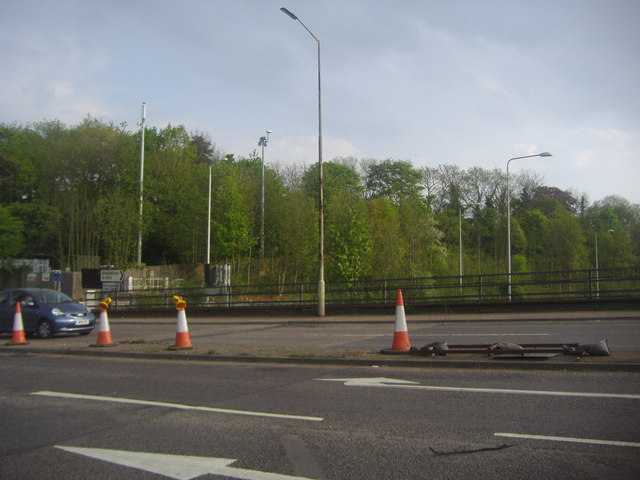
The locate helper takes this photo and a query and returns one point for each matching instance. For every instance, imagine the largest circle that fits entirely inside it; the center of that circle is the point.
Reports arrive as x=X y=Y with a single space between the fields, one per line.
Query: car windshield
x=53 y=297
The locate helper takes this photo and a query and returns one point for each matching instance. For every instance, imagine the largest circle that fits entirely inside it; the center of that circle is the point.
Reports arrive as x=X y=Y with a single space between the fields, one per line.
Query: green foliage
x=392 y=179
x=71 y=193
x=565 y=242
x=12 y=241
x=349 y=238
x=39 y=222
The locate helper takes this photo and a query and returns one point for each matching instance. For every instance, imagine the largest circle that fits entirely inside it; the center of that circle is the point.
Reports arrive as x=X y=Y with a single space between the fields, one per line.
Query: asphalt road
x=74 y=417
x=374 y=332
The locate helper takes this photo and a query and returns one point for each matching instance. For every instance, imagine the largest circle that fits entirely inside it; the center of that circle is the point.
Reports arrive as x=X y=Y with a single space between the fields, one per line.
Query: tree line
x=71 y=194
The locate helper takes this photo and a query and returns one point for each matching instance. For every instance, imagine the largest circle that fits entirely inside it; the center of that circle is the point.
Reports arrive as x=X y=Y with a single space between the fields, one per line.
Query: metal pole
x=597 y=270
x=262 y=205
x=144 y=116
x=321 y=284
x=263 y=143
x=208 y=248
x=509 y=231
x=460 y=250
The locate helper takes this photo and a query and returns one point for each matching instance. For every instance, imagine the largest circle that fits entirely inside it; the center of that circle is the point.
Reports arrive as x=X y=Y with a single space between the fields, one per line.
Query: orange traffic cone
x=183 y=342
x=17 y=337
x=104 y=332
x=401 y=343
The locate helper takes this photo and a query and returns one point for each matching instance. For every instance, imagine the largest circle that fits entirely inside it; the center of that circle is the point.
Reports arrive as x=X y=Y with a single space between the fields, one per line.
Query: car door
x=6 y=312
x=28 y=308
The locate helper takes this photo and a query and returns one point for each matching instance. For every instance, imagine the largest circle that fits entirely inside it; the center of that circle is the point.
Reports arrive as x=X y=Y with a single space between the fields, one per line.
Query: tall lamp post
x=321 y=299
x=262 y=143
x=543 y=154
x=144 y=116
x=460 y=248
x=208 y=246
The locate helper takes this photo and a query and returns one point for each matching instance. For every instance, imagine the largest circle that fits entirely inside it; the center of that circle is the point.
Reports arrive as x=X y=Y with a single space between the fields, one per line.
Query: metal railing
x=576 y=285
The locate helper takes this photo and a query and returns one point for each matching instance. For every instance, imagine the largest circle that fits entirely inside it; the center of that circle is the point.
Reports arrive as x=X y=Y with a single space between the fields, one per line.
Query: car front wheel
x=45 y=330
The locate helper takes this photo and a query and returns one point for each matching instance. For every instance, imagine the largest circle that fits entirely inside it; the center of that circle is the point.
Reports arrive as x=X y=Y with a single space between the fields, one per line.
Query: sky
x=461 y=82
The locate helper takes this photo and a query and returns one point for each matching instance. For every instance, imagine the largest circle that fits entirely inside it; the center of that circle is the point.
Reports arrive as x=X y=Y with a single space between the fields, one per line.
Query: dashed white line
x=151 y=403
x=614 y=443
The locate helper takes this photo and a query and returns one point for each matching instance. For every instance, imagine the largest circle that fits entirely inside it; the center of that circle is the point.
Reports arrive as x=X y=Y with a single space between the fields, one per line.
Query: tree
x=564 y=241
x=12 y=241
x=616 y=223
x=175 y=198
x=388 y=243
x=349 y=240
x=39 y=222
x=337 y=177
x=392 y=179
x=534 y=226
x=231 y=218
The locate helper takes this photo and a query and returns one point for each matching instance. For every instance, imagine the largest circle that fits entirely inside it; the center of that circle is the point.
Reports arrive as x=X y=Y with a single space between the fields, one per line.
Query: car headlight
x=57 y=312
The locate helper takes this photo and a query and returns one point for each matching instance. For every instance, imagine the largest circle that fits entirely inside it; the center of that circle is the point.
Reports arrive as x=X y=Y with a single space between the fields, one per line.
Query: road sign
x=111 y=276
x=111 y=286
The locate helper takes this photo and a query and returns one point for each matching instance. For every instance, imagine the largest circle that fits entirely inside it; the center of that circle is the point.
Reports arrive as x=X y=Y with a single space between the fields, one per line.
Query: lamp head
x=545 y=154
x=289 y=13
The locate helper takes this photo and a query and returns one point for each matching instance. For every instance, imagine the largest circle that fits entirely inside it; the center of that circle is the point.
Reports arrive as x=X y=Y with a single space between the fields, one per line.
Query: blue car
x=45 y=312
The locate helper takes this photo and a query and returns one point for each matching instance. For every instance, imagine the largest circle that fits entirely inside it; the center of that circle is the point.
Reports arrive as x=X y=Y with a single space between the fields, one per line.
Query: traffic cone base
x=17 y=336
x=401 y=343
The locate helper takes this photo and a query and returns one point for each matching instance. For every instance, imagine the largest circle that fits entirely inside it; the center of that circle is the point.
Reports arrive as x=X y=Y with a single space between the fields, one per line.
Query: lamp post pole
x=144 y=116
x=460 y=248
x=262 y=143
x=208 y=249
x=321 y=289
x=543 y=154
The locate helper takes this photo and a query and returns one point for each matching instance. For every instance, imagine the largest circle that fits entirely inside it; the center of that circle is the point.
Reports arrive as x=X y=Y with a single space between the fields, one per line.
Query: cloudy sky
x=459 y=82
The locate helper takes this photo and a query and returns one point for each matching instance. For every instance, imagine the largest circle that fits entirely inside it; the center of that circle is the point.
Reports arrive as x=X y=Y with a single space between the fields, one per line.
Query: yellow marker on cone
x=104 y=332
x=17 y=337
x=183 y=342
x=401 y=343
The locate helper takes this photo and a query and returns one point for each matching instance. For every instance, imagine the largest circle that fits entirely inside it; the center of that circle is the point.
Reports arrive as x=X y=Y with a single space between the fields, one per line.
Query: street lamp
x=262 y=143
x=321 y=300
x=543 y=154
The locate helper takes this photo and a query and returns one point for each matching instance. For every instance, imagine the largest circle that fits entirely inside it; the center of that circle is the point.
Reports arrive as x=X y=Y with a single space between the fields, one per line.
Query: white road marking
x=393 y=383
x=179 y=467
x=494 y=335
x=570 y=439
x=179 y=406
x=366 y=335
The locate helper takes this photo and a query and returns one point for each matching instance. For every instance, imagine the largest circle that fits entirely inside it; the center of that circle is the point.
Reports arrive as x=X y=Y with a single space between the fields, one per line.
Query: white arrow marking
x=370 y=382
x=180 y=467
x=393 y=383
x=179 y=406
